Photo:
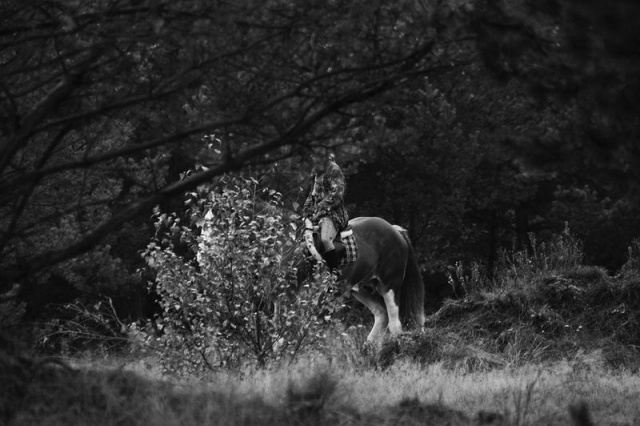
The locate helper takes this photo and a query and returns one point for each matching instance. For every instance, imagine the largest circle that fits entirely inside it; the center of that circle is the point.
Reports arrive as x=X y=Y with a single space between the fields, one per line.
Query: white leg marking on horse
x=379 y=327
x=380 y=320
x=394 y=313
x=421 y=320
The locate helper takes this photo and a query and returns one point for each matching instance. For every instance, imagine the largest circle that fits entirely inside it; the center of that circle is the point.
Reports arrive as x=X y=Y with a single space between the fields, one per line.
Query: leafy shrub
x=230 y=295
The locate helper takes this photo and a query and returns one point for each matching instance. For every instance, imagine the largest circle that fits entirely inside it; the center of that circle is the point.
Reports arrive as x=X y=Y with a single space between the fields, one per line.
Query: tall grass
x=518 y=268
x=316 y=390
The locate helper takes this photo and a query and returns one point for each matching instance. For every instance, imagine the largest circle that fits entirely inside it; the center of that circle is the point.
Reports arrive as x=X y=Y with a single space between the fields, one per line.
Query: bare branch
x=90 y=240
x=42 y=109
x=26 y=195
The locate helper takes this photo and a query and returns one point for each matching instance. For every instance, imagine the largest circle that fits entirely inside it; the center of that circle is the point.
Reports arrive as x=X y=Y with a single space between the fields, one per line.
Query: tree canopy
x=473 y=123
x=101 y=99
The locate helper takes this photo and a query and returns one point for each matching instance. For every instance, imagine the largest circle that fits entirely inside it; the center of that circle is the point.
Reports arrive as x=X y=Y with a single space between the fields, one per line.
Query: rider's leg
x=327 y=234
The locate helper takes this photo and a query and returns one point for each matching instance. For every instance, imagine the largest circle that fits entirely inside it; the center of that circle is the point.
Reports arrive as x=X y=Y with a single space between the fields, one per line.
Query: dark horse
x=385 y=277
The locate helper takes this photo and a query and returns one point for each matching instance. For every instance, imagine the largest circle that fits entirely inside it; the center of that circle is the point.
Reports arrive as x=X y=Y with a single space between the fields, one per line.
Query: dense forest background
x=478 y=125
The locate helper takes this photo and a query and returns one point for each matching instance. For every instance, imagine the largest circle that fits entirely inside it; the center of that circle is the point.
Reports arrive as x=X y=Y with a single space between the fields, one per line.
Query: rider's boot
x=331 y=258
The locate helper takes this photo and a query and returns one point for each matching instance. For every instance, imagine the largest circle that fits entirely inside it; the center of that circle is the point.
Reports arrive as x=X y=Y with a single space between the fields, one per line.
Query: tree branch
x=26 y=195
x=42 y=109
x=42 y=261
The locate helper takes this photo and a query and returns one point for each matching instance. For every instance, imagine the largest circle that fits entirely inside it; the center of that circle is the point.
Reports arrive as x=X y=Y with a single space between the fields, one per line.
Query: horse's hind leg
x=380 y=320
x=389 y=284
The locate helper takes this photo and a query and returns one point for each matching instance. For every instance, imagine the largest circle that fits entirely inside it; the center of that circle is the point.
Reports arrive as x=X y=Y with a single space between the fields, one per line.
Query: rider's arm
x=309 y=204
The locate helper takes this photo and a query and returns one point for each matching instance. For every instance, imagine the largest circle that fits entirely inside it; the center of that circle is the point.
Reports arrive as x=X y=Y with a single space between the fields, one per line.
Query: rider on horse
x=325 y=205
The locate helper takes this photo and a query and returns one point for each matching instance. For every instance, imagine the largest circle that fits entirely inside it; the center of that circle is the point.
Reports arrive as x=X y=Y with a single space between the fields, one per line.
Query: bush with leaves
x=227 y=280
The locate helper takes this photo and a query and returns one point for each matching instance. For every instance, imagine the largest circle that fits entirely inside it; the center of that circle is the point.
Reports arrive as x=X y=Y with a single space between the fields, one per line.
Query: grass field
x=316 y=390
x=520 y=396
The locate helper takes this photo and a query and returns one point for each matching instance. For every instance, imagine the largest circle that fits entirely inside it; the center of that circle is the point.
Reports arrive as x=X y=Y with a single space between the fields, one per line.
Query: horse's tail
x=412 y=293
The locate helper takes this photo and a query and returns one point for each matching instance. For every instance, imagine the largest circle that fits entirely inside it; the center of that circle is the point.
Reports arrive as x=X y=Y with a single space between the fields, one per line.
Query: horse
x=385 y=276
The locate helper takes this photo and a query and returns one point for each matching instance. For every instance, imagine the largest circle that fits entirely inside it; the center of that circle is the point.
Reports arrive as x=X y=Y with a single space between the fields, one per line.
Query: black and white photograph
x=319 y=212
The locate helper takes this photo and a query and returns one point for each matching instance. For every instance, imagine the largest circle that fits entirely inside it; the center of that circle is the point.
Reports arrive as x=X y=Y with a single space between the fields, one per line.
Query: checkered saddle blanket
x=348 y=240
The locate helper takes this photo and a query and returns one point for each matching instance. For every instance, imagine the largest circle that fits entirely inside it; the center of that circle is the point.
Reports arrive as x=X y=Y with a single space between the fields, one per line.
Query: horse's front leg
x=380 y=319
x=395 y=326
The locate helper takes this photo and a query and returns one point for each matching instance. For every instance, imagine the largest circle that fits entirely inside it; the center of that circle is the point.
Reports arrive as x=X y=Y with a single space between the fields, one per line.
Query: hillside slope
x=580 y=314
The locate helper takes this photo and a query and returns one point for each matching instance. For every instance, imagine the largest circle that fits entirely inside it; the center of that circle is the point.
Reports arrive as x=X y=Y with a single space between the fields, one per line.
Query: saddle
x=344 y=242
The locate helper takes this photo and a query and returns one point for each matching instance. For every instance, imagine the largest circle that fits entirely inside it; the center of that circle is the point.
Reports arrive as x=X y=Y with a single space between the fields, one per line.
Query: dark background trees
x=105 y=104
x=472 y=124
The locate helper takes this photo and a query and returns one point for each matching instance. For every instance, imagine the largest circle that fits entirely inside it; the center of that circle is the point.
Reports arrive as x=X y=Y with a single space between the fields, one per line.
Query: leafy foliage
x=231 y=296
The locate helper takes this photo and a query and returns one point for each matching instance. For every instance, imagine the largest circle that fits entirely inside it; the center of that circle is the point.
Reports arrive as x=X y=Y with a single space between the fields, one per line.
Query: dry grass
x=525 y=395
x=319 y=391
